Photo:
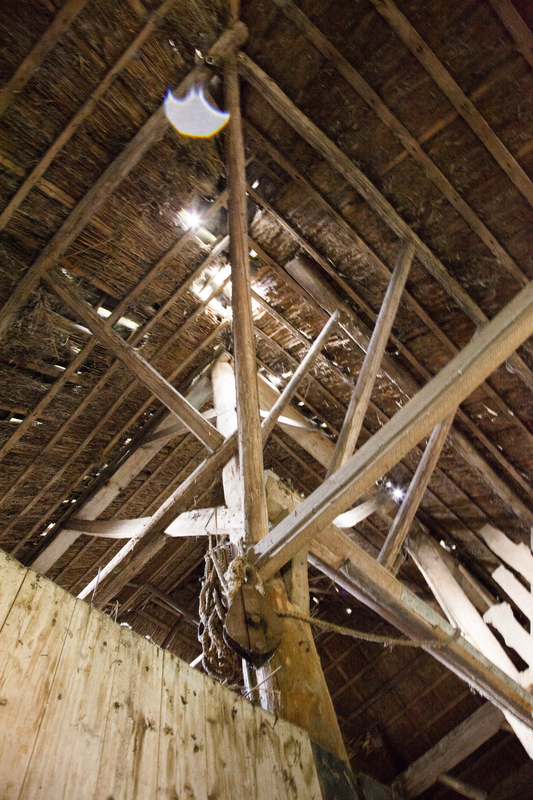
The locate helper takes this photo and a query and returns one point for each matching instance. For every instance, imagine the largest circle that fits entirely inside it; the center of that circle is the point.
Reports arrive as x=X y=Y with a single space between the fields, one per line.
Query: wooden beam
x=410 y=37
x=152 y=130
x=522 y=35
x=340 y=162
x=249 y=431
x=412 y=147
x=465 y=789
x=143 y=371
x=494 y=343
x=62 y=21
x=292 y=387
x=353 y=421
x=517 y=555
x=374 y=586
x=413 y=497
x=464 y=616
x=457 y=745
x=83 y=112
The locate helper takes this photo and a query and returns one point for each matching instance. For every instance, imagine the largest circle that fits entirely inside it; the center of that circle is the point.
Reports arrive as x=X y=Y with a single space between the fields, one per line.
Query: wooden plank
x=228 y=723
x=253 y=498
x=410 y=37
x=517 y=556
x=501 y=617
x=353 y=421
x=30 y=649
x=182 y=741
x=516 y=26
x=328 y=150
x=413 y=497
x=394 y=440
x=152 y=130
x=129 y=763
x=83 y=112
x=12 y=575
x=62 y=21
x=457 y=745
x=225 y=403
x=516 y=591
x=142 y=369
x=71 y=734
x=465 y=617
x=412 y=147
x=109 y=528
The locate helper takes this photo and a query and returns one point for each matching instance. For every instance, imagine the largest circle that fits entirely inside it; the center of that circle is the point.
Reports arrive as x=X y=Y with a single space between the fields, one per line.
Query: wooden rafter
x=412 y=147
x=357 y=408
x=91 y=203
x=411 y=38
x=415 y=492
x=394 y=440
x=62 y=22
x=83 y=112
x=142 y=370
x=328 y=150
x=383 y=269
x=450 y=751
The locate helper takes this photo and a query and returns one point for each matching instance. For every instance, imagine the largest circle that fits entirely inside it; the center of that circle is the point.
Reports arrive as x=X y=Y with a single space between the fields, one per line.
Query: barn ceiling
x=365 y=123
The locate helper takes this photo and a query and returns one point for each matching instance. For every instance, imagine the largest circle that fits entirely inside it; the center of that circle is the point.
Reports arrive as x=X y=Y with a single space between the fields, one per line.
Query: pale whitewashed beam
x=501 y=617
x=518 y=556
x=463 y=614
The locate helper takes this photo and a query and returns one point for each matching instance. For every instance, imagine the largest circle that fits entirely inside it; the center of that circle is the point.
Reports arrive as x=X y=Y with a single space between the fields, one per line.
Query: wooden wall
x=91 y=710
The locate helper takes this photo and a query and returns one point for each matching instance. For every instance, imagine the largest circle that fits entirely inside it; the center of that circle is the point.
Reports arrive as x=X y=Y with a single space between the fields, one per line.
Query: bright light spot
x=301 y=403
x=348 y=610
x=48 y=527
x=397 y=493
x=58 y=366
x=103 y=312
x=315 y=600
x=255 y=184
x=286 y=375
x=253 y=254
x=190 y=219
x=323 y=425
x=127 y=441
x=15 y=420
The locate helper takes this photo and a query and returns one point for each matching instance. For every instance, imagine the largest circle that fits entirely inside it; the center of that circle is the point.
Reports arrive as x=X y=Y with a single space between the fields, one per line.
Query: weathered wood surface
x=450 y=751
x=90 y=709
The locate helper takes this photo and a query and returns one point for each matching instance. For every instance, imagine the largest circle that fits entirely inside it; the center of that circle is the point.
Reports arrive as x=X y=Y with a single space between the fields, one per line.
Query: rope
x=218 y=660
x=369 y=637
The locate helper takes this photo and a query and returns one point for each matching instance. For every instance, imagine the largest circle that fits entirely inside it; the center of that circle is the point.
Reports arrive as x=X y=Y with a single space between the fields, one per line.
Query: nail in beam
x=353 y=421
x=512 y=326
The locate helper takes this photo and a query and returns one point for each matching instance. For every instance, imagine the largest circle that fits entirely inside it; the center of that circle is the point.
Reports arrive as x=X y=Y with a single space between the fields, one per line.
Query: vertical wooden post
x=353 y=421
x=417 y=487
x=250 y=439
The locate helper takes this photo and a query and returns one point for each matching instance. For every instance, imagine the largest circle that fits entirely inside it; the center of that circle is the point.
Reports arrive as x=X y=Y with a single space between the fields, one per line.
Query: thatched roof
x=70 y=413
